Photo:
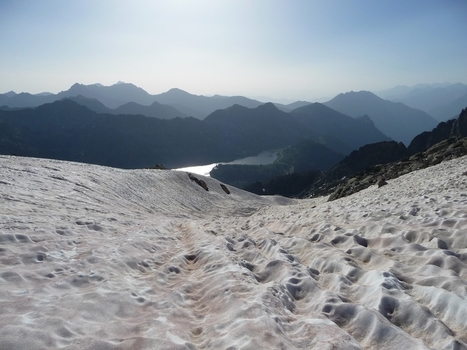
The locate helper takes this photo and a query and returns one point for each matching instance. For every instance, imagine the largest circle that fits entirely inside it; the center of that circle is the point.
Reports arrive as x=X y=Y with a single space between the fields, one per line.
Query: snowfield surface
x=101 y=258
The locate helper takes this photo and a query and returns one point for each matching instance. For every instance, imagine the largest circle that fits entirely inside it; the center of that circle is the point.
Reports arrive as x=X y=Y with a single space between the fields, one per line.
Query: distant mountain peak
x=316 y=108
x=235 y=107
x=65 y=105
x=361 y=92
x=77 y=88
x=357 y=96
x=123 y=84
x=396 y=120
x=177 y=90
x=268 y=106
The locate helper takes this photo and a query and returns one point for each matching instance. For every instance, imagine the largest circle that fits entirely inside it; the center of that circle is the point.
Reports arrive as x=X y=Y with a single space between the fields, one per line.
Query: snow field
x=101 y=258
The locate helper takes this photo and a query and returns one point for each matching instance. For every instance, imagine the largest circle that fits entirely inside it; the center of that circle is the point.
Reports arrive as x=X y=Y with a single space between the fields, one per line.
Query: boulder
x=225 y=189
x=198 y=181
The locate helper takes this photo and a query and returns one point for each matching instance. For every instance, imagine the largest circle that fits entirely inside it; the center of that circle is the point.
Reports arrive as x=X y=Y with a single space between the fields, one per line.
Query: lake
x=266 y=157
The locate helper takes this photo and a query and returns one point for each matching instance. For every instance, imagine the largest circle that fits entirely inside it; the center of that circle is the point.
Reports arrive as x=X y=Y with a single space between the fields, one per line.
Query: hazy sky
x=292 y=49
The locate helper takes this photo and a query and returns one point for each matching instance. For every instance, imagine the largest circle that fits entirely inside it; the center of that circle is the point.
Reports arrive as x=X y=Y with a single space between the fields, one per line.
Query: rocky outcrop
x=459 y=127
x=427 y=139
x=200 y=182
x=444 y=150
x=375 y=153
x=444 y=130
x=158 y=167
x=366 y=156
x=225 y=189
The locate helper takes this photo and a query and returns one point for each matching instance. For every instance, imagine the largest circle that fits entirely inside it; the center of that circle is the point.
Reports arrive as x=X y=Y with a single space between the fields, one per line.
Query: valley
x=227 y=137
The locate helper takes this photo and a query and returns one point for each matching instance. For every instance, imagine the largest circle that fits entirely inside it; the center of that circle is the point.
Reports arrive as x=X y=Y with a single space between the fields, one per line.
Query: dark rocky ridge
x=454 y=145
x=444 y=130
x=445 y=150
x=365 y=157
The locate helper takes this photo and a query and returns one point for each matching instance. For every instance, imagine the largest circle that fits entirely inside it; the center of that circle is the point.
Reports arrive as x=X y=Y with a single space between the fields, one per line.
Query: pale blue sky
x=300 y=50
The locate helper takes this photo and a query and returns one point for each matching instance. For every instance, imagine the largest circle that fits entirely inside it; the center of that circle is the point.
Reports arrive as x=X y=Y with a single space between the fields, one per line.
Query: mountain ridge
x=114 y=96
x=441 y=101
x=396 y=120
x=352 y=132
x=67 y=130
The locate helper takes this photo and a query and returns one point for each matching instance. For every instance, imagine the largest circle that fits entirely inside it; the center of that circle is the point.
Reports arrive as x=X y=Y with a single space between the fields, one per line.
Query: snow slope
x=101 y=258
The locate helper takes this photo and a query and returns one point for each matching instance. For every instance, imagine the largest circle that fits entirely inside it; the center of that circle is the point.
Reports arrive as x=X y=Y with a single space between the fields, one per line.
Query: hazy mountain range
x=441 y=101
x=401 y=113
x=123 y=126
x=398 y=121
x=108 y=125
x=119 y=94
x=155 y=110
x=66 y=130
